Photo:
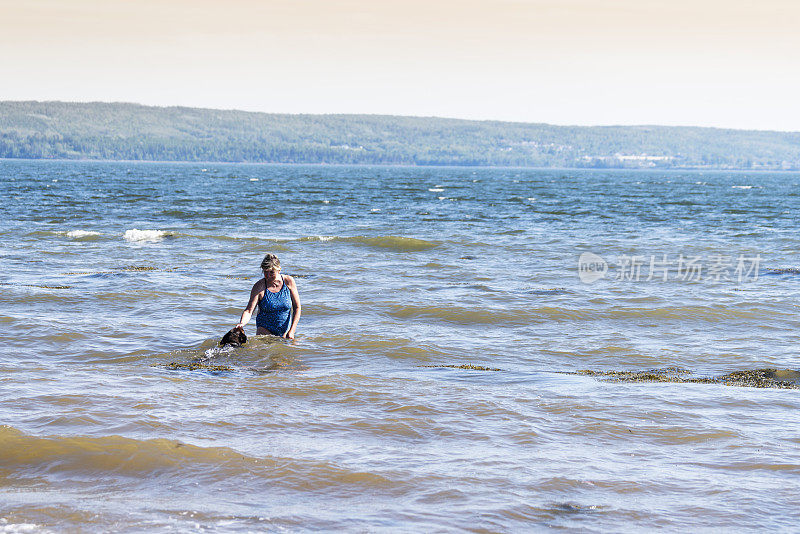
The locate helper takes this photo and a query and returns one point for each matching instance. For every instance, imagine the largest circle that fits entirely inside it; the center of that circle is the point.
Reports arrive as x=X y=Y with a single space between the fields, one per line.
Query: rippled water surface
x=111 y=271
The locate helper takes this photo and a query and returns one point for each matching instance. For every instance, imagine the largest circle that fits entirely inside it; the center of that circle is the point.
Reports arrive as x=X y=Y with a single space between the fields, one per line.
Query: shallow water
x=110 y=271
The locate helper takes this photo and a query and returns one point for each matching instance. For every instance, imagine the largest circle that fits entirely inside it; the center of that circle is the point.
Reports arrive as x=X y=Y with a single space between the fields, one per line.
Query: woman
x=277 y=299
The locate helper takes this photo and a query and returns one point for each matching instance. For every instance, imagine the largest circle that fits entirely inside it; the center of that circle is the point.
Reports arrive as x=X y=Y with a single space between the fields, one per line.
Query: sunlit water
x=112 y=270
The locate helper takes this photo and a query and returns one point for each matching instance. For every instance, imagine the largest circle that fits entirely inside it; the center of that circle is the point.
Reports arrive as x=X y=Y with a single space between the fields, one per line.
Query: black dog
x=234 y=338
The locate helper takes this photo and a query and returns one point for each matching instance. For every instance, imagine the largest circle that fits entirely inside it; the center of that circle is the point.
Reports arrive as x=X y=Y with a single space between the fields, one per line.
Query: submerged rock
x=756 y=378
x=466 y=366
x=193 y=366
x=783 y=270
x=763 y=378
x=136 y=268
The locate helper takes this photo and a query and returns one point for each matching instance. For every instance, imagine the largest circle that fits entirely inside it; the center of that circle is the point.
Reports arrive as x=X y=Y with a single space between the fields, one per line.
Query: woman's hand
x=239 y=326
x=289 y=334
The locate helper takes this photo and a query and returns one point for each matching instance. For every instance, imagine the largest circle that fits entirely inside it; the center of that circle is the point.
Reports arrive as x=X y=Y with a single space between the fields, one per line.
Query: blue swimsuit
x=275 y=310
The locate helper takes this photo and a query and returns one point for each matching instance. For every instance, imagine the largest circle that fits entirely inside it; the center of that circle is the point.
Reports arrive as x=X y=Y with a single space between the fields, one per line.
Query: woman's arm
x=296 y=308
x=255 y=296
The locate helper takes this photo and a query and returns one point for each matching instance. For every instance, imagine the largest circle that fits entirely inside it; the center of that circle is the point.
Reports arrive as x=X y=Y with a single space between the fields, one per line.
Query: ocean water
x=112 y=271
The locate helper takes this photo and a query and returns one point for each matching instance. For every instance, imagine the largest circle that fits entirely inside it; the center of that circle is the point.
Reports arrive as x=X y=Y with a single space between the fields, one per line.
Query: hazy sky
x=731 y=63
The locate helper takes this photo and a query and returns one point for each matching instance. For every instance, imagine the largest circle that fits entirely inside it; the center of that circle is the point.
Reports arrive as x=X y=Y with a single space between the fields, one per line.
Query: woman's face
x=271 y=274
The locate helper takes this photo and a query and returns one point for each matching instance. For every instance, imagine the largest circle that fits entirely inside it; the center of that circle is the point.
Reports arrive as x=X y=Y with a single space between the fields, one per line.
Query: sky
x=730 y=64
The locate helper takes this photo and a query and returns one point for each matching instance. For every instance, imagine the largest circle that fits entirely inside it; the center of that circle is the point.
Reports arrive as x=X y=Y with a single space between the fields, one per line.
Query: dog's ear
x=228 y=338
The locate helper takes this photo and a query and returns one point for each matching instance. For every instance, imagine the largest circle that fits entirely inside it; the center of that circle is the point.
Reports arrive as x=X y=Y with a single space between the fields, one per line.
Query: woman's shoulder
x=259 y=286
x=289 y=280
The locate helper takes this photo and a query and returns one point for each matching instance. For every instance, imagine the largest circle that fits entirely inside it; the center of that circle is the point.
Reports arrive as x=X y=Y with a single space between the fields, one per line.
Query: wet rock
x=784 y=270
x=136 y=268
x=468 y=366
x=756 y=378
x=193 y=366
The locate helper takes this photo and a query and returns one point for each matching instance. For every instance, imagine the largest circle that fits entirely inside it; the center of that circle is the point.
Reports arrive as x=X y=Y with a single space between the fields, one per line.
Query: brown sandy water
x=387 y=413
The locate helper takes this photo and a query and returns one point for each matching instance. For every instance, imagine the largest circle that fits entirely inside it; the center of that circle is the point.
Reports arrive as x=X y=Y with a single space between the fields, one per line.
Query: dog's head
x=234 y=338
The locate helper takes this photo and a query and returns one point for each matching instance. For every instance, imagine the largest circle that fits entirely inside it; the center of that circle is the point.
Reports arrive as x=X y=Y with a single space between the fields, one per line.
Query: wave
x=114 y=457
x=543 y=314
x=459 y=315
x=135 y=235
x=112 y=454
x=82 y=234
x=397 y=243
x=77 y=235
x=191 y=214
x=323 y=238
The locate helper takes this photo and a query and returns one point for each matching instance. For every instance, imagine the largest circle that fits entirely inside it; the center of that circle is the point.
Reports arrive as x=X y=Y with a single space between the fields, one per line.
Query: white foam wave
x=78 y=234
x=136 y=235
x=253 y=179
x=18 y=528
x=742 y=187
x=435 y=189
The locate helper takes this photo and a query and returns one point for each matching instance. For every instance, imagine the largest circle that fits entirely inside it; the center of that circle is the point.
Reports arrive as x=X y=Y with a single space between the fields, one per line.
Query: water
x=110 y=271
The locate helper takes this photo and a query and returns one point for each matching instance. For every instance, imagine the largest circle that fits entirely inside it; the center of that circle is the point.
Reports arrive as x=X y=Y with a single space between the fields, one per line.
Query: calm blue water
x=111 y=271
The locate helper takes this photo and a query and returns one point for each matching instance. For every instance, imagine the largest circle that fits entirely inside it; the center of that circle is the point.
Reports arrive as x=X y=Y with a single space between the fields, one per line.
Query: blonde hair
x=270 y=262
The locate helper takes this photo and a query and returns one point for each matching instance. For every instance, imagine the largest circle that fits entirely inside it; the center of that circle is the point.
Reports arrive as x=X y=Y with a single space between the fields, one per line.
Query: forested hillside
x=133 y=132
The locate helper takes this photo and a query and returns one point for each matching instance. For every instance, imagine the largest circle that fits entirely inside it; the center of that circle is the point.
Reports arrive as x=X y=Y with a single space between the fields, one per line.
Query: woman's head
x=270 y=263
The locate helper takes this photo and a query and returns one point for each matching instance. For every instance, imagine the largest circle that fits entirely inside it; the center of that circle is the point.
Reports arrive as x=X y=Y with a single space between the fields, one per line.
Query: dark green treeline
x=118 y=131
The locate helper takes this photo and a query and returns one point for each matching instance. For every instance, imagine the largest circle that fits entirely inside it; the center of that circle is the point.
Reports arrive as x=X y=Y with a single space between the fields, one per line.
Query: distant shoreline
x=132 y=132
x=410 y=166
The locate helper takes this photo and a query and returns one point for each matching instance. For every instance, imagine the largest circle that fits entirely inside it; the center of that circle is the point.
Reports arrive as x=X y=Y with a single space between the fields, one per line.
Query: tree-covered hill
x=118 y=131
